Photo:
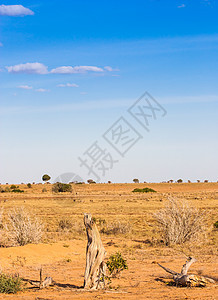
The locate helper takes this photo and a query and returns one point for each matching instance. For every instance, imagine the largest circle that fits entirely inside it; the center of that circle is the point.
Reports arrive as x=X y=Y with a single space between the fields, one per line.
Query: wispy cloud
x=181 y=6
x=42 y=90
x=15 y=10
x=39 y=68
x=29 y=68
x=107 y=103
x=25 y=87
x=1 y=45
x=76 y=69
x=110 y=69
x=67 y=85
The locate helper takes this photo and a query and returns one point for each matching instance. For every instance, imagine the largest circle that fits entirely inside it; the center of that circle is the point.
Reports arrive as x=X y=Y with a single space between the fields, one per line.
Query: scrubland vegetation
x=156 y=222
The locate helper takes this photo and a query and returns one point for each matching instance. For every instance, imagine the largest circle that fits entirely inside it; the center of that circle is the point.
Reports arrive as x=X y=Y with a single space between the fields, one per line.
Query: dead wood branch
x=182 y=279
x=42 y=283
x=95 y=254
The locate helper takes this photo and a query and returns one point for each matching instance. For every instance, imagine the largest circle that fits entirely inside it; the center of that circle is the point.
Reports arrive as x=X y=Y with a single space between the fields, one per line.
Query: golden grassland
x=127 y=224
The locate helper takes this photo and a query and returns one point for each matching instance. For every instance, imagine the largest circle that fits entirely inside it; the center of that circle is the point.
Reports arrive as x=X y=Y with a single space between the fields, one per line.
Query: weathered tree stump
x=182 y=279
x=95 y=254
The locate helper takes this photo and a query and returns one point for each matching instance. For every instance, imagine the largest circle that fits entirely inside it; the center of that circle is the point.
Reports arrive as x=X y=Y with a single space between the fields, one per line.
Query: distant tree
x=171 y=181
x=135 y=180
x=90 y=181
x=46 y=177
x=206 y=180
x=29 y=185
x=198 y=181
x=60 y=187
x=109 y=181
x=179 y=180
x=189 y=181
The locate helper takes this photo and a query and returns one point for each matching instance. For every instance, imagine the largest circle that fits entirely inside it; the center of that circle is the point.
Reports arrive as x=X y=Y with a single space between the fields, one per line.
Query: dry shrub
x=23 y=228
x=64 y=224
x=180 y=223
x=116 y=228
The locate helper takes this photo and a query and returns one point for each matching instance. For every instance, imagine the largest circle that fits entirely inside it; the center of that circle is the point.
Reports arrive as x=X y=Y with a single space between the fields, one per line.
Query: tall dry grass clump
x=180 y=223
x=24 y=228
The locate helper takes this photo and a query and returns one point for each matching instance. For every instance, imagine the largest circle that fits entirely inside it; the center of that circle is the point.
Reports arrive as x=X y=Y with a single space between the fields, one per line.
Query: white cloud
x=42 y=90
x=25 y=87
x=181 y=6
x=15 y=10
x=29 y=68
x=68 y=85
x=77 y=69
x=39 y=68
x=110 y=69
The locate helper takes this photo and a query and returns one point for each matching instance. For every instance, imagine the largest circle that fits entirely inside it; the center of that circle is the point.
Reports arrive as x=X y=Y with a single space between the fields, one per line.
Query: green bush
x=144 y=190
x=116 y=263
x=10 y=284
x=59 y=187
x=215 y=225
x=12 y=187
x=17 y=191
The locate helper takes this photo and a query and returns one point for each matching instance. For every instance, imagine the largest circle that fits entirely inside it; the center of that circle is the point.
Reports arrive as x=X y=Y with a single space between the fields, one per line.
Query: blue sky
x=70 y=69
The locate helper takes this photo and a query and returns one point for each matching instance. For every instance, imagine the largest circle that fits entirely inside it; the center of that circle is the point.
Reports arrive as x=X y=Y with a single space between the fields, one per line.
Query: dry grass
x=130 y=217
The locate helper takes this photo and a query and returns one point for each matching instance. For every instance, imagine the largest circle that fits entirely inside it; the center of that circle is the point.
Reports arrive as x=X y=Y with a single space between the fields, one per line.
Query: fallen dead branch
x=183 y=279
x=42 y=283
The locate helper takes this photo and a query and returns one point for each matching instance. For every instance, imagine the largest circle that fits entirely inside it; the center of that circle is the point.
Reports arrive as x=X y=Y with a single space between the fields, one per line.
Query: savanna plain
x=127 y=224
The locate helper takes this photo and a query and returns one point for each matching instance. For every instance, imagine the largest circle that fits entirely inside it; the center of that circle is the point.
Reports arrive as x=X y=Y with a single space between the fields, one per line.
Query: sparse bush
x=29 y=185
x=179 y=181
x=65 y=224
x=114 y=228
x=44 y=190
x=59 y=187
x=144 y=190
x=7 y=189
x=24 y=228
x=116 y=263
x=10 y=284
x=180 y=223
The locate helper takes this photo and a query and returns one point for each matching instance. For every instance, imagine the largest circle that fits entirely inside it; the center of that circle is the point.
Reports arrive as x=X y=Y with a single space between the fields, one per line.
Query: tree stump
x=182 y=279
x=95 y=254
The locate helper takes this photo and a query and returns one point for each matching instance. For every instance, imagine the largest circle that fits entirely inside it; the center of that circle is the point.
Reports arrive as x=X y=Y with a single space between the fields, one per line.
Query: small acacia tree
x=46 y=177
x=135 y=180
